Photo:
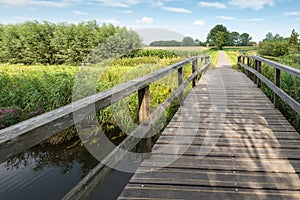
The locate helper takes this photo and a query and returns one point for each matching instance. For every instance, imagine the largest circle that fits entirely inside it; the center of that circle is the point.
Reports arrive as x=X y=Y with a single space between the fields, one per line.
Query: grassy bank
x=27 y=91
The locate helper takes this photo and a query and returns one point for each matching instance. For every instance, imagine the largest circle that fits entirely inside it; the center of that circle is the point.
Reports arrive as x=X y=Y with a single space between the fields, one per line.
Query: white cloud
x=171 y=9
x=292 y=13
x=76 y=12
x=147 y=20
x=119 y=3
x=217 y=5
x=199 y=23
x=109 y=21
x=50 y=4
x=226 y=17
x=252 y=4
x=254 y=20
x=14 y=2
x=128 y=11
x=174 y=9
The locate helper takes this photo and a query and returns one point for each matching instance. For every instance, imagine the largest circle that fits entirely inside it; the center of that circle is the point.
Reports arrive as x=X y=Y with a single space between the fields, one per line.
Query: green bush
x=270 y=48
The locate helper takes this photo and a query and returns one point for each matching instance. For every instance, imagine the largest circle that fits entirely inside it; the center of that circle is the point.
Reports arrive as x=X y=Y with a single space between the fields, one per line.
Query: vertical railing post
x=255 y=67
x=180 y=81
x=195 y=69
x=259 y=71
x=277 y=83
x=144 y=113
x=243 y=62
x=239 y=60
x=249 y=65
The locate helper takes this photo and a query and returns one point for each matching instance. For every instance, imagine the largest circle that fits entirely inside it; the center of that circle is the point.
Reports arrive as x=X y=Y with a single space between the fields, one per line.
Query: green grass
x=214 y=55
x=27 y=91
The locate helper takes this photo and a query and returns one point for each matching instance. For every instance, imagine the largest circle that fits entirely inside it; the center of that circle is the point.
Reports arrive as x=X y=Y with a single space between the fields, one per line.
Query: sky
x=188 y=18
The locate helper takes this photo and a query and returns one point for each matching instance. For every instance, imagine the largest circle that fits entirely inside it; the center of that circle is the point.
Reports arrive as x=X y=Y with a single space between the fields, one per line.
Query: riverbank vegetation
x=40 y=67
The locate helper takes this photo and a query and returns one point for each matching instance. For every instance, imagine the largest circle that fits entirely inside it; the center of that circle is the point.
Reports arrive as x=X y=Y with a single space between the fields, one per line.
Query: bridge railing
x=22 y=136
x=256 y=62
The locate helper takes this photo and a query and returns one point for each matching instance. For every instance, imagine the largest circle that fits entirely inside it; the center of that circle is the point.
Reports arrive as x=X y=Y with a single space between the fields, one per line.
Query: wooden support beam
x=255 y=66
x=259 y=71
x=194 y=69
x=277 y=83
x=144 y=113
x=249 y=64
x=180 y=81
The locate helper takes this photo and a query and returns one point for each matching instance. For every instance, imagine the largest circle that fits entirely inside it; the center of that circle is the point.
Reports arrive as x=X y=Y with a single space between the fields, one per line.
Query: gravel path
x=222 y=61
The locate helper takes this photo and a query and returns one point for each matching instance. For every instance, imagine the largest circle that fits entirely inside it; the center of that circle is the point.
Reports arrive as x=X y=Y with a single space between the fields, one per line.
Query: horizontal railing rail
x=275 y=87
x=22 y=136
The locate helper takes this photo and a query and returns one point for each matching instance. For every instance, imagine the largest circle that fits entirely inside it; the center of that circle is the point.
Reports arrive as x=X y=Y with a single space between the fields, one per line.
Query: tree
x=245 y=39
x=275 y=38
x=235 y=38
x=269 y=37
x=188 y=41
x=220 y=40
x=294 y=38
x=223 y=39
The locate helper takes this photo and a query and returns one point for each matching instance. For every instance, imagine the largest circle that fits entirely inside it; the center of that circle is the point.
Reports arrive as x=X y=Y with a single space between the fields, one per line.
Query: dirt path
x=223 y=61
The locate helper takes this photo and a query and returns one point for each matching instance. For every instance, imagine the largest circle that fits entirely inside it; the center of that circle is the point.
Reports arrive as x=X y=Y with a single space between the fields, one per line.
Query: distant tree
x=163 y=43
x=219 y=36
x=269 y=37
x=294 y=38
x=245 y=39
x=235 y=38
x=197 y=42
x=188 y=41
x=220 y=40
x=274 y=38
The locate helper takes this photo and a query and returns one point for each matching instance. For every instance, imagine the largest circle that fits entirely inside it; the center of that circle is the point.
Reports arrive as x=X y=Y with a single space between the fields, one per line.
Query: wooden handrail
x=22 y=136
x=275 y=87
x=26 y=134
x=87 y=185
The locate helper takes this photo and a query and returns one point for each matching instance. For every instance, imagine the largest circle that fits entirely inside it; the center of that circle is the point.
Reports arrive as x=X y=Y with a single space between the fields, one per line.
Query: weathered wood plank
x=215 y=178
x=254 y=155
x=154 y=191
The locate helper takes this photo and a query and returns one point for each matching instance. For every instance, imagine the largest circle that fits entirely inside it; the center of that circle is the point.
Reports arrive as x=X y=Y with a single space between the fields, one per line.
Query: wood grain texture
x=254 y=154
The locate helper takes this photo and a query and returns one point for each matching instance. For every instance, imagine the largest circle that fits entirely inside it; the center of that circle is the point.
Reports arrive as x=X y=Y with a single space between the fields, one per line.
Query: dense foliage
x=49 y=43
x=276 y=45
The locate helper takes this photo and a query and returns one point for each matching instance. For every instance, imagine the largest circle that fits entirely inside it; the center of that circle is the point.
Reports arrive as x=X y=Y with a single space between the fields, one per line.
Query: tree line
x=219 y=36
x=186 y=41
x=49 y=43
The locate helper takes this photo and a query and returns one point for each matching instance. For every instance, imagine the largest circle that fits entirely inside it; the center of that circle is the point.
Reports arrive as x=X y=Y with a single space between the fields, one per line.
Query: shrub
x=270 y=48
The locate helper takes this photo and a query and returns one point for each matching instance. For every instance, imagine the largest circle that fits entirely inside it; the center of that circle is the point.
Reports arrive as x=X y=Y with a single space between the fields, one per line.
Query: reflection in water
x=44 y=172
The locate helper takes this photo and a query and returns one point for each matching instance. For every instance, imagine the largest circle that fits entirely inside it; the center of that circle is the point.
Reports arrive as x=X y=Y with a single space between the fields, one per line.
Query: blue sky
x=190 y=17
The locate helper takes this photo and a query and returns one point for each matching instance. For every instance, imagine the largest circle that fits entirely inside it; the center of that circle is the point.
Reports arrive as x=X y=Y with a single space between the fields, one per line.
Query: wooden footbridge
x=227 y=140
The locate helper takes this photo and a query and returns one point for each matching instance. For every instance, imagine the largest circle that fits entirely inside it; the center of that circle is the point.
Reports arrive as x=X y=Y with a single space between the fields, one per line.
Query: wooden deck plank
x=154 y=191
x=226 y=142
